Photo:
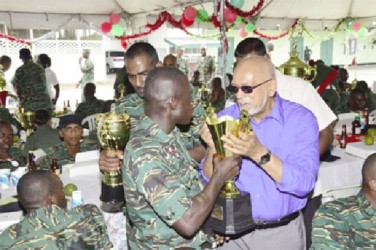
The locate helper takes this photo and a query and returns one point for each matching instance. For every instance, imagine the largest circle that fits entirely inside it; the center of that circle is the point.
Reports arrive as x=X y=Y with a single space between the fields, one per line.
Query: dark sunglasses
x=246 y=89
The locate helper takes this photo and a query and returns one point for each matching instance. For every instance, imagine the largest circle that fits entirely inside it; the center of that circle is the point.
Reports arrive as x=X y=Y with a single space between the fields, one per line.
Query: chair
x=90 y=120
x=55 y=122
x=339 y=192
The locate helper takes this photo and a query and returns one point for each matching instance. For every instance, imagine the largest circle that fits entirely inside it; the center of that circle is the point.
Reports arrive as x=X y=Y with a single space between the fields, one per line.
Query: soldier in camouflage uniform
x=30 y=84
x=10 y=157
x=71 y=131
x=6 y=116
x=48 y=224
x=349 y=223
x=140 y=58
x=182 y=62
x=206 y=66
x=166 y=203
x=91 y=105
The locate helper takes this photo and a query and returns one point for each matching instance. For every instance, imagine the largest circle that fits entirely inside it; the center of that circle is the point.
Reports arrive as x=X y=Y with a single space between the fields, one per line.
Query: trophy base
x=112 y=198
x=231 y=215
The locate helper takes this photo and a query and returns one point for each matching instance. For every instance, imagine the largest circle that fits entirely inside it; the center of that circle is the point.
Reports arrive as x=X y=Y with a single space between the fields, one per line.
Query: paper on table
x=359 y=149
x=85 y=162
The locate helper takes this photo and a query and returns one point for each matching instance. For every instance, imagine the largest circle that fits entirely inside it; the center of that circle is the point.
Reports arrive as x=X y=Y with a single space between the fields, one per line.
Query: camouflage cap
x=69 y=119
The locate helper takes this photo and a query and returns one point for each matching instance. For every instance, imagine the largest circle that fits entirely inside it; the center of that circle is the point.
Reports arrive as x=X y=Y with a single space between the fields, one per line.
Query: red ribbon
x=330 y=78
x=14 y=39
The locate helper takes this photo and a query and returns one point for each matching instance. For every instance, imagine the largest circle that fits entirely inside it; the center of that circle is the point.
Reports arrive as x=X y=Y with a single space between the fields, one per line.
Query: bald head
x=170 y=61
x=163 y=83
x=39 y=188
x=369 y=169
x=256 y=65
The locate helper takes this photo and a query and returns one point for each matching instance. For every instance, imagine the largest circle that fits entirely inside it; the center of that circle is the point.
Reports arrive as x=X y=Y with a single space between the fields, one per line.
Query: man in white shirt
x=52 y=83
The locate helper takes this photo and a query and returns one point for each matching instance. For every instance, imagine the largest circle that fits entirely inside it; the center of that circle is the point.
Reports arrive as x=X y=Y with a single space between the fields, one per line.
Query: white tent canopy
x=49 y=14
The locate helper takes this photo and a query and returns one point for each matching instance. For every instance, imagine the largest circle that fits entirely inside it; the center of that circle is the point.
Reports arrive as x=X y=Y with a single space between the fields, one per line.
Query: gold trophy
x=232 y=213
x=113 y=131
x=27 y=121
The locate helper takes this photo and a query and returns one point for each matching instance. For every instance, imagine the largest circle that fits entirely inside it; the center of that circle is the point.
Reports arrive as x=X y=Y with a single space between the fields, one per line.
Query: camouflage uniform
x=347 y=223
x=60 y=152
x=122 y=78
x=160 y=180
x=42 y=138
x=134 y=106
x=52 y=227
x=87 y=73
x=15 y=155
x=7 y=117
x=206 y=67
x=90 y=106
x=183 y=65
x=30 y=83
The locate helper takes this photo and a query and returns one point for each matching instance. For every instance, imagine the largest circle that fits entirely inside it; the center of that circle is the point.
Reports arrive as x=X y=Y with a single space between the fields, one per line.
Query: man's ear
x=172 y=102
x=50 y=200
x=61 y=133
x=272 y=88
x=372 y=185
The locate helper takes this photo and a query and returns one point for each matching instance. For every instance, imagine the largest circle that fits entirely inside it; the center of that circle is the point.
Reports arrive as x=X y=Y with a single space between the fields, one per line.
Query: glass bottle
x=356 y=126
x=343 y=139
x=32 y=164
x=65 y=108
x=55 y=168
x=69 y=110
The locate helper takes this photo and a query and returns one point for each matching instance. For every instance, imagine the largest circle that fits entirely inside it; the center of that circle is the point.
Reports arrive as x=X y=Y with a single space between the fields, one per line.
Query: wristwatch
x=264 y=159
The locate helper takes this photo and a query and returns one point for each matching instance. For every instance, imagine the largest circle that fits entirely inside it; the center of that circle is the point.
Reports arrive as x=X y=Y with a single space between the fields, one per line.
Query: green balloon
x=117 y=30
x=238 y=20
x=237 y=3
x=249 y=27
x=362 y=32
x=202 y=15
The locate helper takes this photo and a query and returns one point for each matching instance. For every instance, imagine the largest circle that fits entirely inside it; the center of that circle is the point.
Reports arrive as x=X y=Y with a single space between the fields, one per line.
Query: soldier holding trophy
x=280 y=158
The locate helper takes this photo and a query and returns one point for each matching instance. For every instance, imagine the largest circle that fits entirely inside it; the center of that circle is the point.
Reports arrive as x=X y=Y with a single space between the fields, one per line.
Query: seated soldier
x=218 y=99
x=195 y=82
x=44 y=136
x=10 y=157
x=91 y=105
x=349 y=223
x=371 y=97
x=70 y=129
x=7 y=117
x=48 y=224
x=357 y=102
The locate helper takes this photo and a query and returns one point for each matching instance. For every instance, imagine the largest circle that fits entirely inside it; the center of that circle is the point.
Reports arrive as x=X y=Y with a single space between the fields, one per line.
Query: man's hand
x=220 y=239
x=110 y=161
x=246 y=145
x=207 y=138
x=227 y=168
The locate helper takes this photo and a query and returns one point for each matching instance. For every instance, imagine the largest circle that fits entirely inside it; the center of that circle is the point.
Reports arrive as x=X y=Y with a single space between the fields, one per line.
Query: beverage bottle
x=55 y=168
x=32 y=164
x=69 y=110
x=362 y=122
x=65 y=108
x=366 y=117
x=343 y=139
x=356 y=126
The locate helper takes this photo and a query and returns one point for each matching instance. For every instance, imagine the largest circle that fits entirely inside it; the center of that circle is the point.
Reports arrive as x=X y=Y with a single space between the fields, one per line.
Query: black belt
x=263 y=224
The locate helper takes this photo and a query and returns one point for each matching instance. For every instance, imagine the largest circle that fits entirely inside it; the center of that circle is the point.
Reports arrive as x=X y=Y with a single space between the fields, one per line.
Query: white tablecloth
x=344 y=172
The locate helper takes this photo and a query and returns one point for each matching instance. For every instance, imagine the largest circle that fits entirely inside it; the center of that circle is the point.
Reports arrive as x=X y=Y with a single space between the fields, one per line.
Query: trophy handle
x=308 y=73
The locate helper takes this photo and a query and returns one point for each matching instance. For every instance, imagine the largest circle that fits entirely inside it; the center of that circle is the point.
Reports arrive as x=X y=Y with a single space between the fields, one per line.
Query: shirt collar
x=364 y=204
x=277 y=110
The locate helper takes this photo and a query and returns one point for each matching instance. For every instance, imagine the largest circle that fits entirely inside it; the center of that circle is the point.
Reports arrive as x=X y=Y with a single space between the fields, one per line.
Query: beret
x=69 y=119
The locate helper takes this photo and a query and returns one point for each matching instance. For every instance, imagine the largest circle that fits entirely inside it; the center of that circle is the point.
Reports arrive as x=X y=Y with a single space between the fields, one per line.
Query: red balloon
x=229 y=15
x=106 y=27
x=242 y=32
x=190 y=13
x=114 y=18
x=186 y=22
